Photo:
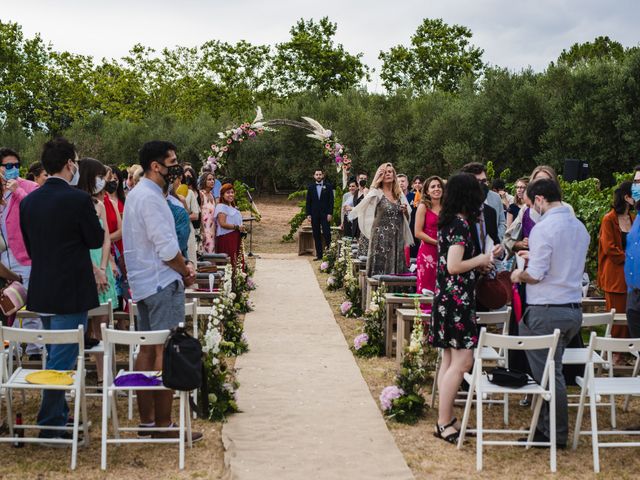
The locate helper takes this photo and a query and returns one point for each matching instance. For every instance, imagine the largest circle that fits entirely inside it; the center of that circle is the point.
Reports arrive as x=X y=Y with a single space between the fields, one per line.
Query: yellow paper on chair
x=49 y=377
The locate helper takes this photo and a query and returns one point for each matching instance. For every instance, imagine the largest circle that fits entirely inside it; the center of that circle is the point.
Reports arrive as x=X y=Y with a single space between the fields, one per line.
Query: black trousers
x=320 y=222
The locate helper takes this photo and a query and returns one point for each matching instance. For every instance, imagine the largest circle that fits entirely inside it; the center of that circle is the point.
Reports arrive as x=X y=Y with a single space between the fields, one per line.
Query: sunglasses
x=11 y=166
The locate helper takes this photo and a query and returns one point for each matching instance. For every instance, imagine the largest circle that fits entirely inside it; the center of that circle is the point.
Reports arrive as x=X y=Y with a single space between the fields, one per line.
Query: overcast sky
x=513 y=33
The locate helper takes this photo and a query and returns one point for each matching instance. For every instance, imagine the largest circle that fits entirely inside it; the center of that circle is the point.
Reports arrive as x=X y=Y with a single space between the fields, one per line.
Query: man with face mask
x=492 y=198
x=557 y=253
x=157 y=271
x=60 y=226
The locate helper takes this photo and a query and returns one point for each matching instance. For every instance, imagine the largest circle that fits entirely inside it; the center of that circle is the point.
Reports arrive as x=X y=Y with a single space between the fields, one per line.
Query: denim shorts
x=163 y=310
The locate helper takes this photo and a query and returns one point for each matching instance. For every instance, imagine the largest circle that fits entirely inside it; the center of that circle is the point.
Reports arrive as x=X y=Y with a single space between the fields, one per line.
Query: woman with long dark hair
x=426 y=230
x=92 y=180
x=611 y=254
x=453 y=318
x=208 y=206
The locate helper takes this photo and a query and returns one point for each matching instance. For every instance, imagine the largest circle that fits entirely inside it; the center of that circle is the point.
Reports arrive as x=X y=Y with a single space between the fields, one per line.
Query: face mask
x=76 y=177
x=173 y=172
x=100 y=183
x=11 y=174
x=538 y=211
x=111 y=186
x=635 y=192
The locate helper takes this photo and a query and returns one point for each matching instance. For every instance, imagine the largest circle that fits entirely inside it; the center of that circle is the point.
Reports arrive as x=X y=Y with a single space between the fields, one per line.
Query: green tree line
x=443 y=105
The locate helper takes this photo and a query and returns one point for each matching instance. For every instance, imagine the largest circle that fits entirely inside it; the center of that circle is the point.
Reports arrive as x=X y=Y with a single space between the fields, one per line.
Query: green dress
x=109 y=293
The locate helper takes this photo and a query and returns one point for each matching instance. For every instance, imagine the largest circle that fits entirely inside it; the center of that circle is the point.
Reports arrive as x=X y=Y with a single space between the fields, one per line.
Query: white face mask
x=100 y=184
x=76 y=176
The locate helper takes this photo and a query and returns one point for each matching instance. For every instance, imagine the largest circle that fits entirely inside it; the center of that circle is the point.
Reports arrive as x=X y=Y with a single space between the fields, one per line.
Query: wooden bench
x=219 y=259
x=404 y=319
x=390 y=282
x=394 y=301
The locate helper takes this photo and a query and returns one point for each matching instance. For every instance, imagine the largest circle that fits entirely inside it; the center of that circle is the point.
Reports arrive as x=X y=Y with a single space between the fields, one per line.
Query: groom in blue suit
x=320 y=210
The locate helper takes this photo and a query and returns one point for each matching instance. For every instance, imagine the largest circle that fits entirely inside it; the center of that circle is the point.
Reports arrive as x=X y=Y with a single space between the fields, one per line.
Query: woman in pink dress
x=426 y=230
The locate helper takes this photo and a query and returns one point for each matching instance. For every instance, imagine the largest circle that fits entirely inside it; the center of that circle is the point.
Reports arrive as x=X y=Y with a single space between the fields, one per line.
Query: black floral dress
x=453 y=317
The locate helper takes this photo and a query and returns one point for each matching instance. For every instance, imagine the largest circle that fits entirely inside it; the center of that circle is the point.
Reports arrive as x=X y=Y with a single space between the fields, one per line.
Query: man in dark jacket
x=320 y=210
x=59 y=225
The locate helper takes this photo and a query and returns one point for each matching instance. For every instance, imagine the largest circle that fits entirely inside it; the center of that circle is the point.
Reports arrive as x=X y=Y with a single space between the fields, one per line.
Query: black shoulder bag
x=182 y=361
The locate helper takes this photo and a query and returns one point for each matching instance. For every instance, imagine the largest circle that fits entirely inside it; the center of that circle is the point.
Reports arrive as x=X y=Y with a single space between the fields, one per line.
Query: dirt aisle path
x=306 y=410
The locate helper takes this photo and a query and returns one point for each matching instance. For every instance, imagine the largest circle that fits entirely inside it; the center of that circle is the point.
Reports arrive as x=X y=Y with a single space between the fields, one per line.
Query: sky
x=515 y=34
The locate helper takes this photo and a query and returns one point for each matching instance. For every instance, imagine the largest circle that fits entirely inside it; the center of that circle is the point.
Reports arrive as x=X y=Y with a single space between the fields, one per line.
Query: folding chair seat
x=17 y=380
x=594 y=387
x=110 y=396
x=480 y=387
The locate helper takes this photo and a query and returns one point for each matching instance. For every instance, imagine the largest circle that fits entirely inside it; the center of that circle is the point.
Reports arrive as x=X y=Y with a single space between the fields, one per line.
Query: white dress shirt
x=557 y=252
x=150 y=240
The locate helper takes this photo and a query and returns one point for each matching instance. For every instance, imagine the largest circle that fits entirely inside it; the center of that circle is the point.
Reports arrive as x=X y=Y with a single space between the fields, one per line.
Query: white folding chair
x=494 y=318
x=595 y=387
x=481 y=387
x=582 y=356
x=17 y=381
x=111 y=338
x=190 y=311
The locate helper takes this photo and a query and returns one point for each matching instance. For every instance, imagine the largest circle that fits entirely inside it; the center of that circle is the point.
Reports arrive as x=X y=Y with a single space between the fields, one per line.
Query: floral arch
x=230 y=139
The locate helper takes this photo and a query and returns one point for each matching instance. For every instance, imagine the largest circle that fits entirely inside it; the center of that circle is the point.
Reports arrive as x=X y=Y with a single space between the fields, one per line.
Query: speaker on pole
x=575 y=170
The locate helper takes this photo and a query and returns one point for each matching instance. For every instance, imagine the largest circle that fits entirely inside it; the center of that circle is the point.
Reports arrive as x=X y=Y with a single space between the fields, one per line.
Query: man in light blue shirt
x=157 y=271
x=558 y=247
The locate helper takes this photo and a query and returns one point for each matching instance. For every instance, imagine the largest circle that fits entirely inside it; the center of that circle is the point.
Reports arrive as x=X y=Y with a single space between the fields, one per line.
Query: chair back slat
x=101 y=310
x=494 y=340
x=46 y=337
x=590 y=320
x=501 y=317
x=619 y=345
x=125 y=337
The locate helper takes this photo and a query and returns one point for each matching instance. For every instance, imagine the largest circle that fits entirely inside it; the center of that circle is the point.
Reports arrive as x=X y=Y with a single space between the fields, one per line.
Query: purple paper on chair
x=136 y=380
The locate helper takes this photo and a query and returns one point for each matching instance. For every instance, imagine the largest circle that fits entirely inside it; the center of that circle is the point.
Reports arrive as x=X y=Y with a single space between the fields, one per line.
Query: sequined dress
x=386 y=245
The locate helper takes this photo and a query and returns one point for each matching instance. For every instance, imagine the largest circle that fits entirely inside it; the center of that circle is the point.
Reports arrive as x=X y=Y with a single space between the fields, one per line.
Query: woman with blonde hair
x=383 y=216
x=518 y=200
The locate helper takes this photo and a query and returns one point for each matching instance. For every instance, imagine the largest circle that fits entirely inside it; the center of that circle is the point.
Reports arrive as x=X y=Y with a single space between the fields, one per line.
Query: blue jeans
x=54 y=410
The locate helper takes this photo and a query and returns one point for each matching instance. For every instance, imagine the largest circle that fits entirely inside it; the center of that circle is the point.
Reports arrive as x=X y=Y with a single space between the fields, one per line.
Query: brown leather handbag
x=493 y=291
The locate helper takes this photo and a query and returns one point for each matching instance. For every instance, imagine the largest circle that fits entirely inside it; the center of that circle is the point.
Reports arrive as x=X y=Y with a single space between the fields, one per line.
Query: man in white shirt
x=157 y=271
x=557 y=252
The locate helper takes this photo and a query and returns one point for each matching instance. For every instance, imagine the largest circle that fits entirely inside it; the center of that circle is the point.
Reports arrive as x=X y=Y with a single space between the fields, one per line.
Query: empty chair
x=593 y=387
x=480 y=386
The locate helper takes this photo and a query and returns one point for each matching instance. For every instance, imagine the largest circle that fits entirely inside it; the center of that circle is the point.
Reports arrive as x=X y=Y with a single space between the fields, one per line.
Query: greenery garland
x=351 y=306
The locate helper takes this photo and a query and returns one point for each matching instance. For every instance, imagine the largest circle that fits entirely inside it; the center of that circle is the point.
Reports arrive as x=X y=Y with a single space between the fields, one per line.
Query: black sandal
x=452 y=437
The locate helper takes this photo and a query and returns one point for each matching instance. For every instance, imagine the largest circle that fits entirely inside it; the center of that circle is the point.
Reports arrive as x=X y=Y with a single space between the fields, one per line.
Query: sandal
x=452 y=437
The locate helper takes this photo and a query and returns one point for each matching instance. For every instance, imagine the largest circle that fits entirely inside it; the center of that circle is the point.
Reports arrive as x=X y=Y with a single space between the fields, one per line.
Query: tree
x=600 y=48
x=311 y=61
x=439 y=57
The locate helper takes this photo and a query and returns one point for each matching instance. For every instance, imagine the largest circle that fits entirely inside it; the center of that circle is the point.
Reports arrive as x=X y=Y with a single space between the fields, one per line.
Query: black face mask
x=485 y=190
x=174 y=171
x=111 y=186
x=362 y=183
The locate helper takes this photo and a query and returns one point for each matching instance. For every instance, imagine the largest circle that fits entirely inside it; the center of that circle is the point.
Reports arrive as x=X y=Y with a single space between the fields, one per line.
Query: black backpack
x=182 y=361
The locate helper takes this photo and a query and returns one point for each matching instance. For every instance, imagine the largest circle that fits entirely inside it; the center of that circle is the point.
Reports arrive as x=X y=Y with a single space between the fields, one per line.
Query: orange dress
x=611 y=268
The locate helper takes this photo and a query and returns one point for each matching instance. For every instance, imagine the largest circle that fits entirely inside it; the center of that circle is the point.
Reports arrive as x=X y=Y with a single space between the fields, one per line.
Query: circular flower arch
x=230 y=139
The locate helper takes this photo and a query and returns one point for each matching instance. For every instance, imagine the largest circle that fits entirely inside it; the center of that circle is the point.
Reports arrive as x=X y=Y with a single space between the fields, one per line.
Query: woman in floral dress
x=453 y=319
x=426 y=230
x=207 y=209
